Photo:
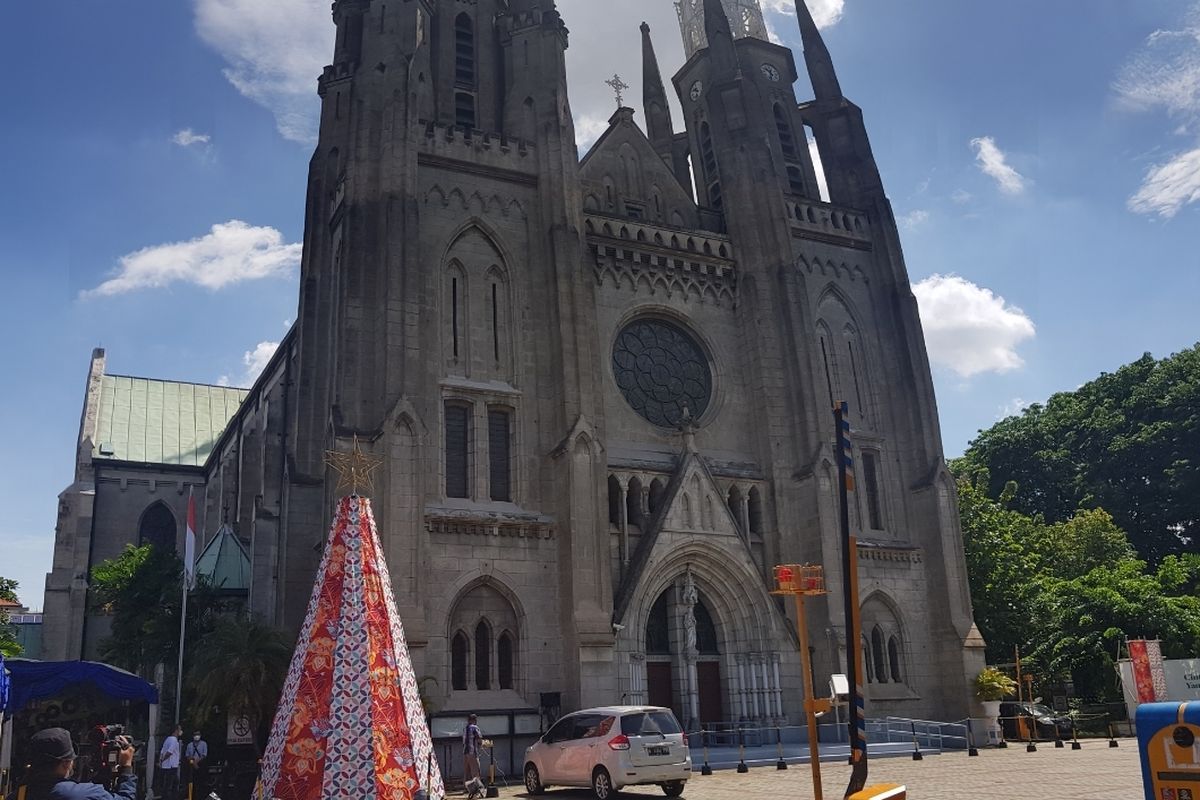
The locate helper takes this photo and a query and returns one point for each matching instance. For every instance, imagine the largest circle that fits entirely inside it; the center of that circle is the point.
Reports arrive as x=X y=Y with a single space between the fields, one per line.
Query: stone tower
x=443 y=320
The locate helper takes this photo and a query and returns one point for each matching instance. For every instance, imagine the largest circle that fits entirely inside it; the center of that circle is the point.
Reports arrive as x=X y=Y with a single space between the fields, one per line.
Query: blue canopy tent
x=28 y=681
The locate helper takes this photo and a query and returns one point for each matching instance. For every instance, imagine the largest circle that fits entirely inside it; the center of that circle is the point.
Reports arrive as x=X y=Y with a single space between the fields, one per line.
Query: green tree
x=9 y=647
x=1080 y=622
x=1000 y=566
x=1127 y=442
x=1068 y=593
x=239 y=668
x=141 y=591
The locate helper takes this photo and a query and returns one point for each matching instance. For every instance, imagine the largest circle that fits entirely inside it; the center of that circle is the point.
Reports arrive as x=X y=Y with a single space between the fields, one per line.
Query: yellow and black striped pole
x=854 y=655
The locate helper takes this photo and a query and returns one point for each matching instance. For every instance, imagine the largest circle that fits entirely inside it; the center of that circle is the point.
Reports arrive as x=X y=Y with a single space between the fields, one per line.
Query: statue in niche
x=690 y=597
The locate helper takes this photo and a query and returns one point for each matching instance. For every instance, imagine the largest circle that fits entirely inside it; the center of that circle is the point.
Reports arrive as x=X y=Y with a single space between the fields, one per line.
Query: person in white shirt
x=168 y=763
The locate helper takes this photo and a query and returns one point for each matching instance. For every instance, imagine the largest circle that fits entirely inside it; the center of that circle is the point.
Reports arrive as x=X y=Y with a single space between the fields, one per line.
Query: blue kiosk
x=1169 y=739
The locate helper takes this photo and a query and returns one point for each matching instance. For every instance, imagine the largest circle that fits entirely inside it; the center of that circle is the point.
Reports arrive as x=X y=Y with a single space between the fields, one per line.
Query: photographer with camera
x=53 y=759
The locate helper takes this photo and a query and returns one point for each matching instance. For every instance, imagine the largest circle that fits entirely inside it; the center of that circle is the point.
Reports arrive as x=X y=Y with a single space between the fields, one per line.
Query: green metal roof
x=162 y=422
x=225 y=563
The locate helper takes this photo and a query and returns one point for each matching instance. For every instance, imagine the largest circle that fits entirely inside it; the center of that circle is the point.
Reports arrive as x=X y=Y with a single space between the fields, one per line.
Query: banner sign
x=1143 y=681
x=1183 y=680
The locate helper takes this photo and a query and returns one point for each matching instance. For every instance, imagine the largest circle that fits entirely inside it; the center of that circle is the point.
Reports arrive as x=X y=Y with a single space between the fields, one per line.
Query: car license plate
x=659 y=750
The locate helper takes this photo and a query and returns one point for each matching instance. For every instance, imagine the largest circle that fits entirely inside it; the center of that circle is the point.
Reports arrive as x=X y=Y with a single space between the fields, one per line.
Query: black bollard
x=972 y=750
x=916 y=756
x=1112 y=737
x=741 y=767
x=706 y=770
x=781 y=765
x=1075 y=745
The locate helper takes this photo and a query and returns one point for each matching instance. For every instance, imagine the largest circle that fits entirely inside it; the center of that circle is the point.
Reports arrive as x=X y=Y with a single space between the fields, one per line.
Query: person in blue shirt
x=52 y=755
x=195 y=755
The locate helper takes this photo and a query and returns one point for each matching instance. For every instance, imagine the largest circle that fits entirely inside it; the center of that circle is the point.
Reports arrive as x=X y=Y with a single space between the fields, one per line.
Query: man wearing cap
x=53 y=758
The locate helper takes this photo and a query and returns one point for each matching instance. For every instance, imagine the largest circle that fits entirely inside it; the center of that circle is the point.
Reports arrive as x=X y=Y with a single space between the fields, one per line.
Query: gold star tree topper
x=355 y=469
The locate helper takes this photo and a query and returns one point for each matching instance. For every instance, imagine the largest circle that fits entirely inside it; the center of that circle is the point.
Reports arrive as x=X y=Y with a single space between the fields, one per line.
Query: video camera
x=113 y=741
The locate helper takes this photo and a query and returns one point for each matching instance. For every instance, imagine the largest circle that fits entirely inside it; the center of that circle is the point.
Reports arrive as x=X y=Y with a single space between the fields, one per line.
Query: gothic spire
x=720 y=37
x=816 y=56
x=659 y=128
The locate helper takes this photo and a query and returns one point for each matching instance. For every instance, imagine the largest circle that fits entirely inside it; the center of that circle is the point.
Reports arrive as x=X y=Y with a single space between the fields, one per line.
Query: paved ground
x=1094 y=773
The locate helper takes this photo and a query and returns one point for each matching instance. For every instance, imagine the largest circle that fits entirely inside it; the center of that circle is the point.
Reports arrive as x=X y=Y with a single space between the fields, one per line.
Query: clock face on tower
x=770 y=72
x=697 y=90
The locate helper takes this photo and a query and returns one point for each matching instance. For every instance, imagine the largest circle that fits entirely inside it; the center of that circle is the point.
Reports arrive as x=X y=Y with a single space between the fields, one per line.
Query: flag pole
x=854 y=655
x=189 y=575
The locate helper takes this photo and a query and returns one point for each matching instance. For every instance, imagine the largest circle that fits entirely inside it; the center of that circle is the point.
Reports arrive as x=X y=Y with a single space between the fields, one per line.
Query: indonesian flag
x=189 y=545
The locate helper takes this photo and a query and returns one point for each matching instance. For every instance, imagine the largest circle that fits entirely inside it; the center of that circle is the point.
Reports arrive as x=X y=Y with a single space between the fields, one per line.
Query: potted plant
x=991 y=687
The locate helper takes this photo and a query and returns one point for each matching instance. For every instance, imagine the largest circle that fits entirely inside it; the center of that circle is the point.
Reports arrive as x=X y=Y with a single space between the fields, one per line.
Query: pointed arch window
x=657 y=490
x=867 y=660
x=614 y=500
x=756 y=511
x=633 y=503
x=460 y=654
x=878 y=655
x=158 y=528
x=828 y=369
x=706 y=631
x=504 y=660
x=658 y=628
x=484 y=648
x=894 y=659
x=483 y=656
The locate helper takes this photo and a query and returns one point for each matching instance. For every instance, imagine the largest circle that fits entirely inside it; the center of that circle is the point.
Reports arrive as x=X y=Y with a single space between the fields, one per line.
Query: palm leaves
x=239 y=669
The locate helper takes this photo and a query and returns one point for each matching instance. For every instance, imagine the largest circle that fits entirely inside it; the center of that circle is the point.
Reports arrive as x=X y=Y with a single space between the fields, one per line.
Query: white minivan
x=611 y=748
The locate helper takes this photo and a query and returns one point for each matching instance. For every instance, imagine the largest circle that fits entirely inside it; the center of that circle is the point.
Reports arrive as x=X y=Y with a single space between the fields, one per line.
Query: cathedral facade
x=601 y=389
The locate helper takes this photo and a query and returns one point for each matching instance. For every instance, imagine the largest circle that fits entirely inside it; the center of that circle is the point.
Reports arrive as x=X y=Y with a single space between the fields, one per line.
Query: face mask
x=195 y=738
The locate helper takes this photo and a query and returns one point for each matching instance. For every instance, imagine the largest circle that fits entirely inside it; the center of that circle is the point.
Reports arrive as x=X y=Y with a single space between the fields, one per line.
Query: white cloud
x=826 y=13
x=962 y=197
x=187 y=137
x=588 y=129
x=969 y=329
x=256 y=360
x=994 y=163
x=230 y=253
x=1013 y=408
x=1169 y=187
x=1164 y=74
x=275 y=51
x=914 y=219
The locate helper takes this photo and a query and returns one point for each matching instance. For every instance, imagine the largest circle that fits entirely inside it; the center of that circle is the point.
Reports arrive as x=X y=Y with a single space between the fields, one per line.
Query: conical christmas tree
x=350 y=722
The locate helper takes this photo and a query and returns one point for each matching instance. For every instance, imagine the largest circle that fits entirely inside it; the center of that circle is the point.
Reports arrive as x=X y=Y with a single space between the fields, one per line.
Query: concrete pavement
x=1094 y=773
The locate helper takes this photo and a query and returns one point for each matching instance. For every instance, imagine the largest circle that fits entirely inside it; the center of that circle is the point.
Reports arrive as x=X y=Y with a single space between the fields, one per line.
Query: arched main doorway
x=683 y=656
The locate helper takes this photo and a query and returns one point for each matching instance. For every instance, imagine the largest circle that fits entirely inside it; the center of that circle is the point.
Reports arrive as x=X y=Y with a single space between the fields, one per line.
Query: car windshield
x=1041 y=711
x=649 y=723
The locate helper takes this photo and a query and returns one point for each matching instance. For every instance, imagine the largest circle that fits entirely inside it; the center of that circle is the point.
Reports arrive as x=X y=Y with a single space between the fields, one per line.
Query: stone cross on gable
x=618 y=86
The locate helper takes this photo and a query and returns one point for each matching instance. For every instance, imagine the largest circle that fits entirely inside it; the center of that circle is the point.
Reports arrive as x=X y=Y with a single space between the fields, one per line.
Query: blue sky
x=1044 y=158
